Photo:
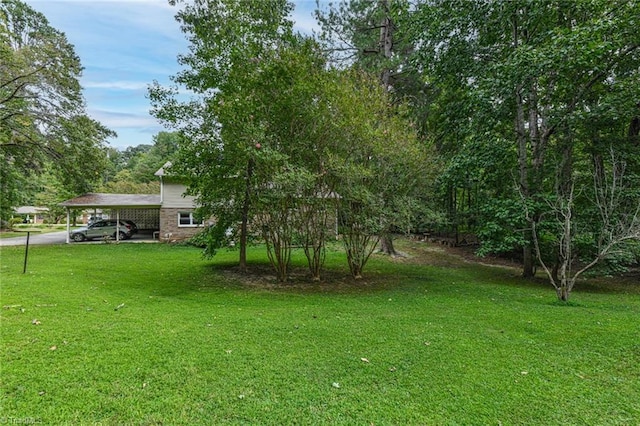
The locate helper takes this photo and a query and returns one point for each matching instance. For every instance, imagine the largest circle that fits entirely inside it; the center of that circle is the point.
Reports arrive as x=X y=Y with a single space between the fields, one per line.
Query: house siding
x=172 y=196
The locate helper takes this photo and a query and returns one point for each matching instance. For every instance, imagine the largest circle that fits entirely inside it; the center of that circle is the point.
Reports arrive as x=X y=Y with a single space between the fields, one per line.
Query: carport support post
x=118 y=225
x=68 y=223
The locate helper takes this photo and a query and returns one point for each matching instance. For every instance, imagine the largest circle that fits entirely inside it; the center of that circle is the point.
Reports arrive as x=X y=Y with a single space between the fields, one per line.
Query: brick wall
x=169 y=229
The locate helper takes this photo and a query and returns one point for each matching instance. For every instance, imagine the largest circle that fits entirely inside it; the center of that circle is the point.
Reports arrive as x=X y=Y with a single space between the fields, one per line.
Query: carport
x=113 y=202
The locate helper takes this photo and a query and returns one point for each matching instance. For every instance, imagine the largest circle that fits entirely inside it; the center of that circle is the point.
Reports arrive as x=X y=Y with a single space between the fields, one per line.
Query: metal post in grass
x=26 y=249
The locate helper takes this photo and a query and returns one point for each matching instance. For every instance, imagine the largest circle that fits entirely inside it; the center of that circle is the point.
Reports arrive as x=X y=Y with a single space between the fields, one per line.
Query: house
x=168 y=216
x=31 y=214
x=177 y=219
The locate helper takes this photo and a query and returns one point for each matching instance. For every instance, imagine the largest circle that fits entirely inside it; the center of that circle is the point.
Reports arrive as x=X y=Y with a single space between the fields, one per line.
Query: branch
x=13 y=94
x=8 y=116
x=37 y=70
x=536 y=246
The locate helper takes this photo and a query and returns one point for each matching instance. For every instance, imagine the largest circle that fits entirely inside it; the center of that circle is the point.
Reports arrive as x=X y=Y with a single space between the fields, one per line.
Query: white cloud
x=116 y=119
x=115 y=85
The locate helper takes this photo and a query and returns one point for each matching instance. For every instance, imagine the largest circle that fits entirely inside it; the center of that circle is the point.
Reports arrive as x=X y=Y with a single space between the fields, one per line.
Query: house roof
x=30 y=210
x=114 y=201
x=163 y=170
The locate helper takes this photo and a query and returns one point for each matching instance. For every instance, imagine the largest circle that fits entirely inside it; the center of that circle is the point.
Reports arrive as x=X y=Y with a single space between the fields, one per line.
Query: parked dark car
x=134 y=227
x=102 y=229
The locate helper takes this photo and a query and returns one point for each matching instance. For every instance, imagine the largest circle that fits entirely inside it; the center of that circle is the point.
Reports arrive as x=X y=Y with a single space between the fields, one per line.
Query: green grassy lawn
x=154 y=334
x=21 y=230
x=11 y=234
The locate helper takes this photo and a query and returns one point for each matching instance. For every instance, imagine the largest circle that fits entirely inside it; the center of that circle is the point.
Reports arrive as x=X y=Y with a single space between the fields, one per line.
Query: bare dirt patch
x=262 y=277
x=426 y=253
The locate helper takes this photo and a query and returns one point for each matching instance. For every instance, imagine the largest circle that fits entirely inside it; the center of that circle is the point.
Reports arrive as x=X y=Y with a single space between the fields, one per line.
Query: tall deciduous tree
x=228 y=41
x=378 y=169
x=371 y=36
x=42 y=118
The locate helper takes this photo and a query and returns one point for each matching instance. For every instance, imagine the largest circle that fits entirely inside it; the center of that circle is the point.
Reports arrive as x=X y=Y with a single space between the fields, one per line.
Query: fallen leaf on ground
x=11 y=306
x=364 y=360
x=336 y=385
x=35 y=322
x=53 y=348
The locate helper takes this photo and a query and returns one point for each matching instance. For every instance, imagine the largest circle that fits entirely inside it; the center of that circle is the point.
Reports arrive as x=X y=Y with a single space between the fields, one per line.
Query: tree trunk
x=242 y=263
x=528 y=263
x=386 y=43
x=386 y=245
x=523 y=178
x=563 y=293
x=243 y=237
x=554 y=271
x=386 y=46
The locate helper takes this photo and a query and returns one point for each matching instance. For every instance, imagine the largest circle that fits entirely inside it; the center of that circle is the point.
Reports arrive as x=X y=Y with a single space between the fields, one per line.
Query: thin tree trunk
x=243 y=238
x=245 y=218
x=554 y=271
x=523 y=168
x=528 y=269
x=528 y=263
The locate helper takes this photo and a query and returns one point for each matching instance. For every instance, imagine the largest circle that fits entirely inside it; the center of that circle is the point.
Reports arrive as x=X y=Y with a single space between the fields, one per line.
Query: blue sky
x=124 y=45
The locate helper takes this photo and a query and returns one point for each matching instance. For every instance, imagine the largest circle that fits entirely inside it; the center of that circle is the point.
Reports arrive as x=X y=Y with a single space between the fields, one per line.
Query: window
x=188 y=219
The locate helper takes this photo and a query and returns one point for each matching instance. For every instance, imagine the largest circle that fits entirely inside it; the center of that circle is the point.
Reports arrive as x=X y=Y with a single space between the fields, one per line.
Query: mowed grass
x=21 y=230
x=154 y=334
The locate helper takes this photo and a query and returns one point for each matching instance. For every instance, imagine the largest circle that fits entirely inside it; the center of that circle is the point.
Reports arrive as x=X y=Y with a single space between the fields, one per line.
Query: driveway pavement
x=61 y=238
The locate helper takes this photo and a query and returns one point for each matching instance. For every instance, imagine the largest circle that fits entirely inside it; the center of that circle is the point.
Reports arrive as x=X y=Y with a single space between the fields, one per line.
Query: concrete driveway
x=59 y=237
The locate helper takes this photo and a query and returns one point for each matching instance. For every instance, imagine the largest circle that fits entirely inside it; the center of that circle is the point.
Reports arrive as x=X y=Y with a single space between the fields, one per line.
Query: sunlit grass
x=146 y=334
x=20 y=230
x=11 y=234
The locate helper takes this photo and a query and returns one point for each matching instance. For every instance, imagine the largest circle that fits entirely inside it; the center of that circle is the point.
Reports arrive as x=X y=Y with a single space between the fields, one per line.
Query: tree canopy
x=276 y=141
x=43 y=122
x=547 y=86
